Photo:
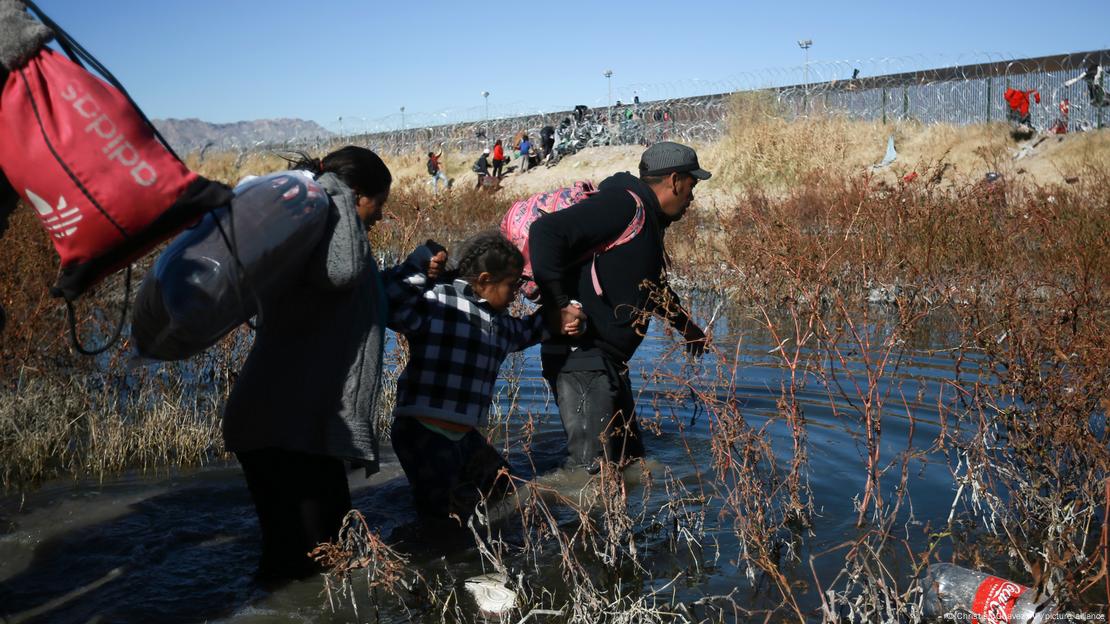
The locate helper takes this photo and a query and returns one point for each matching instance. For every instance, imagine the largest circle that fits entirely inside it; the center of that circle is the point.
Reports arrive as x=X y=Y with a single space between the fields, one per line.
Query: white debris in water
x=491 y=592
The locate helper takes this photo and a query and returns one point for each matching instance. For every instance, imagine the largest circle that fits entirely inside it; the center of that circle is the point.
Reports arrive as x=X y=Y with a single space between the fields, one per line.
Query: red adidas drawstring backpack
x=81 y=154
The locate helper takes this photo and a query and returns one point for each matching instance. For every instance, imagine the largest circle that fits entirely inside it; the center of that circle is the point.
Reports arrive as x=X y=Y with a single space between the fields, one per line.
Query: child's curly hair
x=488 y=252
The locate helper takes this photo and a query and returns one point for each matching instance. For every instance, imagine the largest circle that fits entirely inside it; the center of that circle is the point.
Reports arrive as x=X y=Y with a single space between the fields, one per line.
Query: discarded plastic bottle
x=955 y=594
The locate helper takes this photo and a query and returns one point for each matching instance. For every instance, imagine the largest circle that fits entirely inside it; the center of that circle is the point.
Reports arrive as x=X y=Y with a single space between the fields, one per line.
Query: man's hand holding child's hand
x=573 y=319
x=436 y=264
x=438 y=261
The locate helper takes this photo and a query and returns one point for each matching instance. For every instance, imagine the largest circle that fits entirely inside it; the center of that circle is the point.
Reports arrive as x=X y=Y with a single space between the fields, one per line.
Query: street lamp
x=485 y=94
x=805 y=44
x=609 y=104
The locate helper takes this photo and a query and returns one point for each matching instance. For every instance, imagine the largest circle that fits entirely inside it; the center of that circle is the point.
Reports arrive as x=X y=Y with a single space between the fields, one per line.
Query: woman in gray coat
x=305 y=400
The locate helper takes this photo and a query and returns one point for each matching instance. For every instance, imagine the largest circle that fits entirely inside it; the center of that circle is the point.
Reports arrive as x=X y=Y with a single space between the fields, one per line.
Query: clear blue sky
x=231 y=60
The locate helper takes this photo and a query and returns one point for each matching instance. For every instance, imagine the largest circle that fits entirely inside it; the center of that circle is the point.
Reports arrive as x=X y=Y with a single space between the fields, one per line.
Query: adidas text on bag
x=83 y=157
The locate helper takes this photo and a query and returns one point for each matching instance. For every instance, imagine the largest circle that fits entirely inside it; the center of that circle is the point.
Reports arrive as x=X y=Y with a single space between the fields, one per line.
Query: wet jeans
x=598 y=412
x=447 y=476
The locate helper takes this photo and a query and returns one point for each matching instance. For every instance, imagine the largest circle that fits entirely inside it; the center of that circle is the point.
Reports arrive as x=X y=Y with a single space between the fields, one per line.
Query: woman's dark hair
x=488 y=252
x=497 y=142
x=358 y=168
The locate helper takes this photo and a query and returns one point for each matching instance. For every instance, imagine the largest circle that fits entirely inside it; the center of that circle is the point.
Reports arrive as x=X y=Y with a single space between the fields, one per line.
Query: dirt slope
x=969 y=152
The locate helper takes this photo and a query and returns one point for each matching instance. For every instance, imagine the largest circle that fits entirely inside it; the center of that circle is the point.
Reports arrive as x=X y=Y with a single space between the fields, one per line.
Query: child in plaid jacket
x=458 y=333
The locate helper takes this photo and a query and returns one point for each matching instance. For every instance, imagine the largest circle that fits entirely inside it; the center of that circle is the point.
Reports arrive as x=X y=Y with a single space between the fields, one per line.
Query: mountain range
x=190 y=135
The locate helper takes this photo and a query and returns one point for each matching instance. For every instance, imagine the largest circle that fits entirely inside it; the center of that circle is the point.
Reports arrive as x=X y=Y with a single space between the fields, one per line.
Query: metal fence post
x=1104 y=97
x=905 y=103
x=884 y=105
x=988 y=99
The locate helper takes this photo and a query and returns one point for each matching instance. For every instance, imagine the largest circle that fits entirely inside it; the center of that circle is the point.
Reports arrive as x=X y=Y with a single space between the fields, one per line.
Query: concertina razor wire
x=697 y=111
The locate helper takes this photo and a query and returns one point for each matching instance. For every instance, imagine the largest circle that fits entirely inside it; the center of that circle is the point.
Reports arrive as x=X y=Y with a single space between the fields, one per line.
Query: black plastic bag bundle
x=215 y=277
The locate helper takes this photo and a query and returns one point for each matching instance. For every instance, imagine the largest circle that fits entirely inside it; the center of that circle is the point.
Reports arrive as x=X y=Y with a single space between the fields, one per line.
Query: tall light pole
x=609 y=104
x=402 y=128
x=805 y=44
x=485 y=94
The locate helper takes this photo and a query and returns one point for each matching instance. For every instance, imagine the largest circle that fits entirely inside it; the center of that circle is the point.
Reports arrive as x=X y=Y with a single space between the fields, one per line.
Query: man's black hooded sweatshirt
x=558 y=242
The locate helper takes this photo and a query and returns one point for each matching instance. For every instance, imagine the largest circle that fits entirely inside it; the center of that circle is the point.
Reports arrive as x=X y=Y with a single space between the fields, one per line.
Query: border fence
x=959 y=94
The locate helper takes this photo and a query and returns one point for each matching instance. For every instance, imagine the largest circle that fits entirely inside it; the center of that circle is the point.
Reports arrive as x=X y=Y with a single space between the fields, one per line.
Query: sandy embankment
x=965 y=153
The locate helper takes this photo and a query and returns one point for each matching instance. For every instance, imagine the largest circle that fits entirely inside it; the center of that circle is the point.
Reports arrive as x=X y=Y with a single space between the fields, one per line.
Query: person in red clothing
x=1019 y=105
x=498 y=158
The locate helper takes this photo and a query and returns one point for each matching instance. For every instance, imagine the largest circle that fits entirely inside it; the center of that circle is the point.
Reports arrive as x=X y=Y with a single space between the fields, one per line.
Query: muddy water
x=182 y=547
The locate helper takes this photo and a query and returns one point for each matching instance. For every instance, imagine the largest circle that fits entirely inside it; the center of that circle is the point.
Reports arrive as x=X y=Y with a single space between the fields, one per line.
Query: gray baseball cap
x=667 y=157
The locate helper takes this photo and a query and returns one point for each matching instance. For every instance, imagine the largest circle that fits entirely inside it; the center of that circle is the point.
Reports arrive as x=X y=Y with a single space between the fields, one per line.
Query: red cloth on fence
x=1019 y=100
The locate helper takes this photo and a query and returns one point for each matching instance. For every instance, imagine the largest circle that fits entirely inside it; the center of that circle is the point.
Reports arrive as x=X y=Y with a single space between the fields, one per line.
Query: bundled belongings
x=219 y=274
x=522 y=214
x=78 y=150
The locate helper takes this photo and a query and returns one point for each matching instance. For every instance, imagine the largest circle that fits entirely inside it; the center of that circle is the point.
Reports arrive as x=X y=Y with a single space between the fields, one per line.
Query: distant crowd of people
x=493 y=163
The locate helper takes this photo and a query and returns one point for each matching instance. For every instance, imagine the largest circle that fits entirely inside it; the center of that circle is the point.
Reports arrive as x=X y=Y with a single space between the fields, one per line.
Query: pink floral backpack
x=524 y=213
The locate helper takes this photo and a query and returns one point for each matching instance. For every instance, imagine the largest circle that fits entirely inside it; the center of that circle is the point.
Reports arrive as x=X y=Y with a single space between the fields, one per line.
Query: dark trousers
x=1016 y=117
x=301 y=500
x=497 y=164
x=597 y=408
x=447 y=476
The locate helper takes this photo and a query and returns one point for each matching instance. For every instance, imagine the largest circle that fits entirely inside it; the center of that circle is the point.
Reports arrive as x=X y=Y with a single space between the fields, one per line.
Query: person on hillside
x=1093 y=77
x=498 y=158
x=525 y=153
x=481 y=167
x=1018 y=101
x=436 y=171
x=547 y=141
x=306 y=398
x=458 y=333
x=589 y=375
x=1095 y=90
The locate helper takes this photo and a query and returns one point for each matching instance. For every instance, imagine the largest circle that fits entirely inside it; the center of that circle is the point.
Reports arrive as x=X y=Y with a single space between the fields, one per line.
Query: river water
x=181 y=547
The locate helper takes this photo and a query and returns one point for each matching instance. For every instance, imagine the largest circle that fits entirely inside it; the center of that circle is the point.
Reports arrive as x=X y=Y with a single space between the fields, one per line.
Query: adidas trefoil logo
x=60 y=221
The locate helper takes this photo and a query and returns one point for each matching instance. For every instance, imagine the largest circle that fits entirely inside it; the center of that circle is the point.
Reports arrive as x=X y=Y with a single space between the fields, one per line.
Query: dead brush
x=593 y=539
x=358 y=550
x=50 y=430
x=414 y=215
x=1036 y=465
x=65 y=415
x=762 y=149
x=231 y=166
x=1024 y=271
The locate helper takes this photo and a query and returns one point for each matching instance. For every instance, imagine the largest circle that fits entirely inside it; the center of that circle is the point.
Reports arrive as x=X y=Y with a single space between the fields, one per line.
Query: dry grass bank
x=763 y=150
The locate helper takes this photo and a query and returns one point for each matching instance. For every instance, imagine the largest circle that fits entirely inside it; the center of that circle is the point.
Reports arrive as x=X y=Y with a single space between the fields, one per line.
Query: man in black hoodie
x=589 y=374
